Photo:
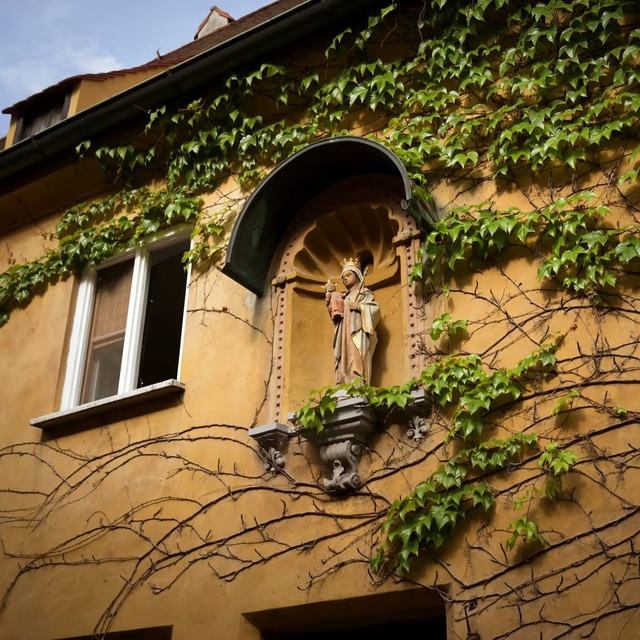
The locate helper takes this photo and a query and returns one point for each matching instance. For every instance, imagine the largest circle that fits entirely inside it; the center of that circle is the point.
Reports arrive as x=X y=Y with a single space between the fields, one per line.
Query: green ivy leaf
x=564 y=401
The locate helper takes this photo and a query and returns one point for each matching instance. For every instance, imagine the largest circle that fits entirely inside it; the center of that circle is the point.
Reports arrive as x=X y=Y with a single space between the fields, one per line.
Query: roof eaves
x=71 y=80
x=296 y=20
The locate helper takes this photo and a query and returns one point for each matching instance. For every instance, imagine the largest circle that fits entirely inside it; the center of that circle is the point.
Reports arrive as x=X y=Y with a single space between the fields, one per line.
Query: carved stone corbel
x=418 y=429
x=414 y=414
x=419 y=411
x=342 y=458
x=272 y=439
x=341 y=441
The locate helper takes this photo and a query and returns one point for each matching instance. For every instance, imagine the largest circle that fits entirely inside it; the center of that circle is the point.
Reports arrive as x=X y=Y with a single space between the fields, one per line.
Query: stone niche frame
x=284 y=236
x=374 y=195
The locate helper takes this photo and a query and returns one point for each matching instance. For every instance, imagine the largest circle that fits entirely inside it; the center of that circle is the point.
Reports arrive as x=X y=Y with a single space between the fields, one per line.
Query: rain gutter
x=183 y=79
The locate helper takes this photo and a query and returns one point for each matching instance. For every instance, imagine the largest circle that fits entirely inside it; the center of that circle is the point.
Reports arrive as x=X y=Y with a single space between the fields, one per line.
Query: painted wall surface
x=87 y=92
x=12 y=132
x=107 y=492
x=90 y=92
x=165 y=515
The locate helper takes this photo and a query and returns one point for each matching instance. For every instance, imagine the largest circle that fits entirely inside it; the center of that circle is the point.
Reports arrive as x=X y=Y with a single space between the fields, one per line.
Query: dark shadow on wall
x=434 y=629
x=407 y=613
x=152 y=633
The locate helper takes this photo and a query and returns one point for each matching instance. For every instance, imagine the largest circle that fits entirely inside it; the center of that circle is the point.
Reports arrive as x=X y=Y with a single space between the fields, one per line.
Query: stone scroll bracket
x=342 y=459
x=347 y=430
x=345 y=433
x=273 y=439
x=415 y=415
x=419 y=429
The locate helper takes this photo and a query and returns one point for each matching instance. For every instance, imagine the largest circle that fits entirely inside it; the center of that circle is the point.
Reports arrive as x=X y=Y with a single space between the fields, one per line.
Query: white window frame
x=80 y=333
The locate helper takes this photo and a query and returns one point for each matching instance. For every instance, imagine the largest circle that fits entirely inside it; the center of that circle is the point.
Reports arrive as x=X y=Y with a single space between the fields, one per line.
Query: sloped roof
x=172 y=58
x=231 y=30
x=238 y=44
x=69 y=82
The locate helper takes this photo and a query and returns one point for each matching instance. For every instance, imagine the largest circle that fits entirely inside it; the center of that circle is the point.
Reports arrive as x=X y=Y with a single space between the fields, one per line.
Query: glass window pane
x=102 y=373
x=164 y=315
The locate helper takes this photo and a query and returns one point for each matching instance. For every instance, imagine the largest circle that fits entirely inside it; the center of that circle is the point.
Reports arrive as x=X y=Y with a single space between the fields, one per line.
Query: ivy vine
x=428 y=515
x=574 y=241
x=494 y=85
x=470 y=90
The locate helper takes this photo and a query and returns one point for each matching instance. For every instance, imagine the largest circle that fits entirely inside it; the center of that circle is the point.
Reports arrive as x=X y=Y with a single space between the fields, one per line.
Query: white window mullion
x=135 y=322
x=79 y=342
x=80 y=350
x=184 y=316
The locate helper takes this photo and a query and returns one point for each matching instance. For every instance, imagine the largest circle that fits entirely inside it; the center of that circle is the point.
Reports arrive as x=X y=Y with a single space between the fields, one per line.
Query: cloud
x=55 y=9
x=51 y=64
x=58 y=45
x=25 y=79
x=88 y=59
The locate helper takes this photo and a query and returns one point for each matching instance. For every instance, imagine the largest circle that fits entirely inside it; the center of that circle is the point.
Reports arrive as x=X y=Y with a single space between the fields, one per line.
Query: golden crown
x=350 y=262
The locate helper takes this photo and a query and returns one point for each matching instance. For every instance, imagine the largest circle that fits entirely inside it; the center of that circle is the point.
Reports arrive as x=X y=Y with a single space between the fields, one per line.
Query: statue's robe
x=354 y=339
x=335 y=303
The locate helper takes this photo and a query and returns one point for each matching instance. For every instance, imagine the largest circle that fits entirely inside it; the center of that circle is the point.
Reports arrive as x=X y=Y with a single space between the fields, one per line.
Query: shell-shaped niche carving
x=364 y=231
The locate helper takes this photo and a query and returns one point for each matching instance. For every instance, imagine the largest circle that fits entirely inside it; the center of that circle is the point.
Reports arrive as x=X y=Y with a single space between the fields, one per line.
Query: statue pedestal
x=345 y=432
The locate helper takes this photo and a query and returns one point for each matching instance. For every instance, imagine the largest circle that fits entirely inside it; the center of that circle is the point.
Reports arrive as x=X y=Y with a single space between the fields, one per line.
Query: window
x=128 y=326
x=43 y=114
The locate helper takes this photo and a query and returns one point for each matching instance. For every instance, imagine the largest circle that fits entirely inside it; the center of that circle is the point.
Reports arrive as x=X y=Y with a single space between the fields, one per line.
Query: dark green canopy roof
x=294 y=183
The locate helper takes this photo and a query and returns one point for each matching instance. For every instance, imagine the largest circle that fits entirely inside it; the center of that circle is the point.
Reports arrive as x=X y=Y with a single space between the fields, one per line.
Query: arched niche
x=336 y=198
x=293 y=184
x=359 y=217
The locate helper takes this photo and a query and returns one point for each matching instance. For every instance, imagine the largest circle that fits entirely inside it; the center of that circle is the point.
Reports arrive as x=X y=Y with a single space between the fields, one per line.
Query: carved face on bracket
x=350 y=279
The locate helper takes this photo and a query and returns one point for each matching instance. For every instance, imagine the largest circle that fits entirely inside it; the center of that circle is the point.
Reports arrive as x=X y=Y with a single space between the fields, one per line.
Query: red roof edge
x=179 y=55
x=224 y=14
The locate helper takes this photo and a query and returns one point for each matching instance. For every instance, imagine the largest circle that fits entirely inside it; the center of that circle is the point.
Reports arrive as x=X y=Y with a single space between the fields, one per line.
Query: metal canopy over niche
x=293 y=184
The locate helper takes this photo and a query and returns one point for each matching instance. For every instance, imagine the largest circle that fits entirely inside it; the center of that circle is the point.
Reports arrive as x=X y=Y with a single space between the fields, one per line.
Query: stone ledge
x=101 y=407
x=272 y=439
x=348 y=428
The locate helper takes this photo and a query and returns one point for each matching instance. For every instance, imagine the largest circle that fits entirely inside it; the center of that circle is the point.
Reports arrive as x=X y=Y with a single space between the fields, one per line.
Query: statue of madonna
x=355 y=315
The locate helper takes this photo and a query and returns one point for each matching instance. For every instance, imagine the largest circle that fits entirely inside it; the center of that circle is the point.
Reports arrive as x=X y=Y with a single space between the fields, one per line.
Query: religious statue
x=355 y=315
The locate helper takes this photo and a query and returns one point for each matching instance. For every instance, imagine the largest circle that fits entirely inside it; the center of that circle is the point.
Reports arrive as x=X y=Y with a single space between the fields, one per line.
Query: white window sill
x=100 y=407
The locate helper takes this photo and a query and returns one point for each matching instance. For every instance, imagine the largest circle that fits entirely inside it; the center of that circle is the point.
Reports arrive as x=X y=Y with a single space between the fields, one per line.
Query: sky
x=45 y=41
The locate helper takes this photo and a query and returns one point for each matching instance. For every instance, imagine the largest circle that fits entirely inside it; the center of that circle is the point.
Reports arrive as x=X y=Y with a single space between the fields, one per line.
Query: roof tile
x=172 y=58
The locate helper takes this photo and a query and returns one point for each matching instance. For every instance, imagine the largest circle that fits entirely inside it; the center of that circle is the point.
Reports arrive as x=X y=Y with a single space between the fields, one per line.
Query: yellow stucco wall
x=13 y=124
x=167 y=517
x=129 y=480
x=90 y=92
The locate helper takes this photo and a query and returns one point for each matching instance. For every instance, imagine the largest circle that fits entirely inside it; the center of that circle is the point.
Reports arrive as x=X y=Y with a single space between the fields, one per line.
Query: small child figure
x=334 y=300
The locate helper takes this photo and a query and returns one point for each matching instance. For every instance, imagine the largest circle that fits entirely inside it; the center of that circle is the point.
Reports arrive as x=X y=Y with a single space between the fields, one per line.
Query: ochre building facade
x=155 y=481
